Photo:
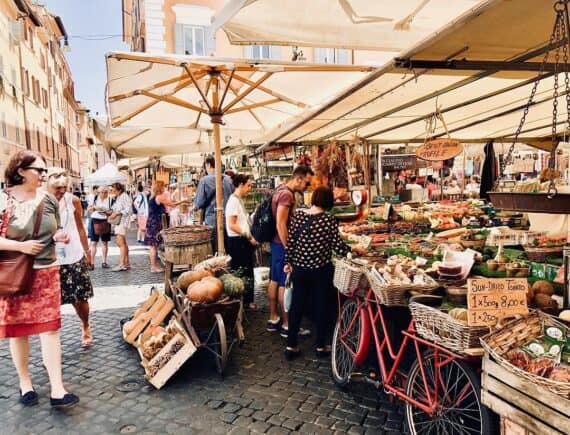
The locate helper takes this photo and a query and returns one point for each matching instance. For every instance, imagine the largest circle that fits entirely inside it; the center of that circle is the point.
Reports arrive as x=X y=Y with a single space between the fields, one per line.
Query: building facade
x=184 y=27
x=38 y=109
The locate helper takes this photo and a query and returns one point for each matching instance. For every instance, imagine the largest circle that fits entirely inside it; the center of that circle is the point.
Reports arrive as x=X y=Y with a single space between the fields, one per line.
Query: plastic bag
x=288 y=295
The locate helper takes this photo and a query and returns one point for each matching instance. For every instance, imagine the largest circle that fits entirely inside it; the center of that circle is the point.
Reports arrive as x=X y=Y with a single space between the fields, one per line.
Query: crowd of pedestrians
x=47 y=223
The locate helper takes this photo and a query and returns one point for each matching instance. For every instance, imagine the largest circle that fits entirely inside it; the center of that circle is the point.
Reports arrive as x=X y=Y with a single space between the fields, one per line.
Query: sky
x=94 y=28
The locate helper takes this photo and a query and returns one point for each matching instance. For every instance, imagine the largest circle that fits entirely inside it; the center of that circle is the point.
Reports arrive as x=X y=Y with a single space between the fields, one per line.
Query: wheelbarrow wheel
x=220 y=344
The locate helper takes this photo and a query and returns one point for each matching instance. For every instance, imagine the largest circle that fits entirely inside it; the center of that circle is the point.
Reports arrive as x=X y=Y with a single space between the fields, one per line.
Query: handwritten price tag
x=490 y=300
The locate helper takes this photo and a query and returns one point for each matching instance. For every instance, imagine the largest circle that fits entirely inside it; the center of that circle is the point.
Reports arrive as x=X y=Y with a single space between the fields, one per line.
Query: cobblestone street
x=260 y=393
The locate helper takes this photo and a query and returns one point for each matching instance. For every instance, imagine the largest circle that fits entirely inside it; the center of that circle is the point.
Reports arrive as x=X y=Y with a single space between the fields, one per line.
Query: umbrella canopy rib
x=271 y=92
x=197 y=85
x=235 y=92
x=173 y=100
x=245 y=93
x=253 y=106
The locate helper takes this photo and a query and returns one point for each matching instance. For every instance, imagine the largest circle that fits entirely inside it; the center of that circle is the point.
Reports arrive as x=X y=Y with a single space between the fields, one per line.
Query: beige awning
x=385 y=25
x=477 y=101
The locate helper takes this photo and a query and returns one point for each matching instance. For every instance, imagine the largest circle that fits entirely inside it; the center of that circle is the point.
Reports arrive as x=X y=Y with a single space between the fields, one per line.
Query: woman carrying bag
x=313 y=236
x=120 y=217
x=30 y=221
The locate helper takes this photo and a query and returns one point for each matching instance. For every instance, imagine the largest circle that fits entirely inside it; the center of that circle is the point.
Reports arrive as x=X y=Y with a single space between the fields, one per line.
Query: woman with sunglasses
x=38 y=310
x=74 y=264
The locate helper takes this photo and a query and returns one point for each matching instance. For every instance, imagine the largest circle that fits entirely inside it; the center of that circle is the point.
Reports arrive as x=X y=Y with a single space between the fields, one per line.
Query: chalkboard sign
x=491 y=299
x=399 y=162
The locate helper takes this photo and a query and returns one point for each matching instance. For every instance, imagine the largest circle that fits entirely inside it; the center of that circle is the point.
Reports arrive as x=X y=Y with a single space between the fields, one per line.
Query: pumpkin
x=190 y=277
x=233 y=285
x=208 y=289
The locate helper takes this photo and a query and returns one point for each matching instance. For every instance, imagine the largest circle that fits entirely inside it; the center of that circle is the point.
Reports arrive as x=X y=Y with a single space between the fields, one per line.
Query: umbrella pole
x=216 y=121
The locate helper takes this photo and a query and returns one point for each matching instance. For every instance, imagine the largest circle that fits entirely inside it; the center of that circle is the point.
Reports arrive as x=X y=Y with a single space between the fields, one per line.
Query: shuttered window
x=262 y=52
x=332 y=55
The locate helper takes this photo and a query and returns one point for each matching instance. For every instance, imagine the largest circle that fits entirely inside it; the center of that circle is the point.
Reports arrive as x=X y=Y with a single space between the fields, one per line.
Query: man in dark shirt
x=282 y=204
x=206 y=196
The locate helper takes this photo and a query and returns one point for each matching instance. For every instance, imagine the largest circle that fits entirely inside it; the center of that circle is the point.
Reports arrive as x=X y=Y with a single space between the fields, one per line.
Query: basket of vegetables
x=474 y=239
x=540 y=248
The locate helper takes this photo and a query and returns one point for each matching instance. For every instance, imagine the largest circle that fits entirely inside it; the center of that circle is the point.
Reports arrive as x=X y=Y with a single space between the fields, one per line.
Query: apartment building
x=38 y=109
x=184 y=27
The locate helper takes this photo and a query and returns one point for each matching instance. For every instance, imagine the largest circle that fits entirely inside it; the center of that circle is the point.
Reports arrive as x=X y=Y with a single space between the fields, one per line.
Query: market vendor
x=206 y=197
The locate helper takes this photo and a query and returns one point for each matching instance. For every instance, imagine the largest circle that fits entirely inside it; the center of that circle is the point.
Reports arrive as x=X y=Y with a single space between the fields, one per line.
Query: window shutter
x=210 y=37
x=319 y=55
x=343 y=56
x=275 y=52
x=179 y=39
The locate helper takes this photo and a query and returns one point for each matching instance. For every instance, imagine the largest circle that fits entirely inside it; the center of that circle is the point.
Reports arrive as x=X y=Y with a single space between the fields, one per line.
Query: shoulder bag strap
x=39 y=218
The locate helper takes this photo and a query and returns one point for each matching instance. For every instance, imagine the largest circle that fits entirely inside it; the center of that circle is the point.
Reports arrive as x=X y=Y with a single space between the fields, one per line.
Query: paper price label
x=490 y=300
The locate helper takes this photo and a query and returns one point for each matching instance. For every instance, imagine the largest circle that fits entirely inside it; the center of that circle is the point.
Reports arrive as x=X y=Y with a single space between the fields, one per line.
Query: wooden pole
x=216 y=118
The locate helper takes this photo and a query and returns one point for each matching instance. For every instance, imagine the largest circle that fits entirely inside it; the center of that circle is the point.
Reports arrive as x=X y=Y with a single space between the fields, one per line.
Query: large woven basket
x=439 y=327
x=188 y=254
x=539 y=254
x=517 y=333
x=186 y=235
x=346 y=276
x=396 y=295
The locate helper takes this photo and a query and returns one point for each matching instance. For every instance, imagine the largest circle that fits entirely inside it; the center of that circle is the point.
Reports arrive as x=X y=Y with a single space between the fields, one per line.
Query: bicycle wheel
x=219 y=344
x=342 y=359
x=459 y=407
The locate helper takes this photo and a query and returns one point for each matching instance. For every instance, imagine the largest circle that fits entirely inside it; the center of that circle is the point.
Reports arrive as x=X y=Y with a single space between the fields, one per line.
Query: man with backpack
x=206 y=197
x=270 y=225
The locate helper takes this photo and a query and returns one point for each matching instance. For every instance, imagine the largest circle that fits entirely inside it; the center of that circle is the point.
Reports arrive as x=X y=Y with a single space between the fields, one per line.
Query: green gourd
x=233 y=286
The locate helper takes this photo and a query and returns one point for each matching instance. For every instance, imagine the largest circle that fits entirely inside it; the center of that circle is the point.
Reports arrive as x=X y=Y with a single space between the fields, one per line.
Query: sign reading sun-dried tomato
x=437 y=150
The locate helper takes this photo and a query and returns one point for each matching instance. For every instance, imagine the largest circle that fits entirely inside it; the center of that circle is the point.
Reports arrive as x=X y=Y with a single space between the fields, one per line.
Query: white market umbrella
x=384 y=25
x=151 y=91
x=157 y=141
x=106 y=175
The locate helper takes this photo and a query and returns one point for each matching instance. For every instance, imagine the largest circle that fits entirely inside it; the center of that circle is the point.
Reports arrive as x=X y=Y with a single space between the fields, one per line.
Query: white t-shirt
x=101 y=205
x=74 y=249
x=234 y=207
x=413 y=186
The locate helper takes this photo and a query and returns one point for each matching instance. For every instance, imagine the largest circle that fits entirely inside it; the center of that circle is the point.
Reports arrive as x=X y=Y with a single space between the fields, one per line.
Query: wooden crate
x=173 y=365
x=151 y=313
x=521 y=404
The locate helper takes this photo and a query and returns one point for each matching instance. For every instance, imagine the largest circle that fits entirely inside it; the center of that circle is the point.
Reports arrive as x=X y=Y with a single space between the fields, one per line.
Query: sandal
x=87 y=338
x=104 y=266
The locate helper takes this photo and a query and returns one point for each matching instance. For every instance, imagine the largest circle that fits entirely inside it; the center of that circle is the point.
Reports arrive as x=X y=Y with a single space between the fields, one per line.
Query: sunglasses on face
x=41 y=171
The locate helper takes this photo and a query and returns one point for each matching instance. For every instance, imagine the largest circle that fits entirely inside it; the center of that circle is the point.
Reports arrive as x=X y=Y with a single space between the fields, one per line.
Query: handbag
x=101 y=227
x=115 y=220
x=15 y=267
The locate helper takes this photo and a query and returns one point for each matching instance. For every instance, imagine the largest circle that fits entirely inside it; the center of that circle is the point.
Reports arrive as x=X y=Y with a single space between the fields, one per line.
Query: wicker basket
x=186 y=235
x=188 y=254
x=439 y=327
x=396 y=295
x=515 y=334
x=346 y=276
x=540 y=254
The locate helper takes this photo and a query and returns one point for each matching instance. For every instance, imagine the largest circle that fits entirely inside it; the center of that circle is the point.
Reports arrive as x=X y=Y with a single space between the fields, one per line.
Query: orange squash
x=208 y=289
x=190 y=277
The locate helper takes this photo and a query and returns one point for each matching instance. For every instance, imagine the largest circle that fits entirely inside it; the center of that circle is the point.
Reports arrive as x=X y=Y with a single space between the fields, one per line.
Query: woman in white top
x=122 y=207
x=241 y=244
x=99 y=209
x=74 y=258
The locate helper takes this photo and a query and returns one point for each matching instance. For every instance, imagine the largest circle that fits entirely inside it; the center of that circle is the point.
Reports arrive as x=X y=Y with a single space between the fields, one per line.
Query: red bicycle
x=441 y=388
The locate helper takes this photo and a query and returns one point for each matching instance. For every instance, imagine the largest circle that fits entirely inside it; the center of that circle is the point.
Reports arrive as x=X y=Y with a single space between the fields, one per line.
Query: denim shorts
x=278 y=263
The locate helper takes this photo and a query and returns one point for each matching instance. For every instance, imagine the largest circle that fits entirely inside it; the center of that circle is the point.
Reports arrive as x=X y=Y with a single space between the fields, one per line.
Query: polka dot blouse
x=312 y=239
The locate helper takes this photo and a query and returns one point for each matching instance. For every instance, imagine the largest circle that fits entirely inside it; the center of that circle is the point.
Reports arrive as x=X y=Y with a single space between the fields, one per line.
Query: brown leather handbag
x=15 y=267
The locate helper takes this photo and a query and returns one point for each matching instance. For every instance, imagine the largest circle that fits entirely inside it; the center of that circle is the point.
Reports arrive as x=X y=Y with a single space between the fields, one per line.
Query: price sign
x=439 y=149
x=490 y=300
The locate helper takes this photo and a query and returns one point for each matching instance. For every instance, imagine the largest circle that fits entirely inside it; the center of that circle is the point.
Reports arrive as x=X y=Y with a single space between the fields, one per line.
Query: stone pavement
x=260 y=393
